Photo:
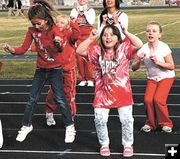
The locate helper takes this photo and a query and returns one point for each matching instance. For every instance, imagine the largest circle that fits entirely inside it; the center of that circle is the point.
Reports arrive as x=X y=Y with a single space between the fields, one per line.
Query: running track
x=48 y=142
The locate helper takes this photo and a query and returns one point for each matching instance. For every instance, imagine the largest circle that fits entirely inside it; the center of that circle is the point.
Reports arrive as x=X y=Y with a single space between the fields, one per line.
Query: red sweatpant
x=69 y=85
x=85 y=69
x=155 y=100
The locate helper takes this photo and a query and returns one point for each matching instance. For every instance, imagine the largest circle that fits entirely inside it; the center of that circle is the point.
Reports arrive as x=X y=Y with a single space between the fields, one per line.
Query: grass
x=13 y=30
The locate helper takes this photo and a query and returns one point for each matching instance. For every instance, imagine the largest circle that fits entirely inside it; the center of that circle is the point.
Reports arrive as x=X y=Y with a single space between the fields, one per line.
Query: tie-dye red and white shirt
x=113 y=89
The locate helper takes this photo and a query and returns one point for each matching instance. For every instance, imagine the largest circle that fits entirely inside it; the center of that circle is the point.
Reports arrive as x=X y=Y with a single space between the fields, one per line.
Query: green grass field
x=13 y=30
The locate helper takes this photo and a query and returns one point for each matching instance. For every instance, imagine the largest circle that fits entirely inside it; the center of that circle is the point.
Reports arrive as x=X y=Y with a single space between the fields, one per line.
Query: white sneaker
x=1 y=135
x=50 y=119
x=70 y=134
x=82 y=83
x=25 y=130
x=146 y=128
x=90 y=83
x=166 y=129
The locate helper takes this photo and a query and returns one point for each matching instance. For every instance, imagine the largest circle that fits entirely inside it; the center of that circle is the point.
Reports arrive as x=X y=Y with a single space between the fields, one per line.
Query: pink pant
x=155 y=100
x=69 y=85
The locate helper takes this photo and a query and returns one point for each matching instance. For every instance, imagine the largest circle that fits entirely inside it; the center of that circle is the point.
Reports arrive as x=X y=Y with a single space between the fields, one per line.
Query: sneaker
x=128 y=151
x=90 y=83
x=1 y=135
x=146 y=128
x=25 y=130
x=70 y=134
x=166 y=129
x=82 y=83
x=104 y=151
x=50 y=119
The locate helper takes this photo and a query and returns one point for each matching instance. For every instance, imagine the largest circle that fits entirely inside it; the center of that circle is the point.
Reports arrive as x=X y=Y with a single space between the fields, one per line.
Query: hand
x=153 y=59
x=142 y=56
x=8 y=48
x=104 y=18
x=115 y=17
x=124 y=29
x=94 y=34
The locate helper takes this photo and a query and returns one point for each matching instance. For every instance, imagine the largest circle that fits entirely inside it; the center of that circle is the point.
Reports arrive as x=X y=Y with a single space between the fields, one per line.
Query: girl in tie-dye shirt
x=111 y=60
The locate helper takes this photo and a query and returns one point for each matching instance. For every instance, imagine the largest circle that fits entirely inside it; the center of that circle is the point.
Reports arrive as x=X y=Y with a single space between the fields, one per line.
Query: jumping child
x=46 y=36
x=111 y=61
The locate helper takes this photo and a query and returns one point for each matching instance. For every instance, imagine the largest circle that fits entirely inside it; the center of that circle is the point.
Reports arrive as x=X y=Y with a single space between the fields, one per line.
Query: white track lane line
x=77 y=153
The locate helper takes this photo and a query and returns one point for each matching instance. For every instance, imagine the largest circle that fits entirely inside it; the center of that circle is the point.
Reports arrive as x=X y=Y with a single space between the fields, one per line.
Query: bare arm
x=135 y=41
x=137 y=61
x=81 y=49
x=168 y=64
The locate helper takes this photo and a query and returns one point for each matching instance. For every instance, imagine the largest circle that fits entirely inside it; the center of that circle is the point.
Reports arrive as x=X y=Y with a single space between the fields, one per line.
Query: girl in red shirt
x=48 y=42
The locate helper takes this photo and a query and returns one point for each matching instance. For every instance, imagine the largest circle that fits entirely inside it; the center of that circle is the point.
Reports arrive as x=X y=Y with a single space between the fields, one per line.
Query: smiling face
x=39 y=24
x=82 y=2
x=62 y=23
x=153 y=33
x=109 y=39
x=110 y=3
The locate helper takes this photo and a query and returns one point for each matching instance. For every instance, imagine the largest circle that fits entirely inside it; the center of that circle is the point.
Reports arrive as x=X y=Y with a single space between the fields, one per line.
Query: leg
x=69 y=85
x=56 y=82
x=89 y=73
x=37 y=85
x=127 y=122
x=101 y=119
x=51 y=105
x=160 y=99
x=1 y=135
x=148 y=100
x=81 y=70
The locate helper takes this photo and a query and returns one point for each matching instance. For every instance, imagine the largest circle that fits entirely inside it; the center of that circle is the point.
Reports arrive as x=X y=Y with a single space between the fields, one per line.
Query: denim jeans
x=54 y=76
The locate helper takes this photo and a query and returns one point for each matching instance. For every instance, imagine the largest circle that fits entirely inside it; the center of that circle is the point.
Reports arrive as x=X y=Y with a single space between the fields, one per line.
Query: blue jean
x=54 y=76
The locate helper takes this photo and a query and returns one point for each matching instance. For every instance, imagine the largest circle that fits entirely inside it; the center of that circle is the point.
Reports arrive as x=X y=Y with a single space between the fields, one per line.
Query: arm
x=168 y=64
x=136 y=64
x=23 y=48
x=103 y=24
x=81 y=49
x=135 y=41
x=75 y=33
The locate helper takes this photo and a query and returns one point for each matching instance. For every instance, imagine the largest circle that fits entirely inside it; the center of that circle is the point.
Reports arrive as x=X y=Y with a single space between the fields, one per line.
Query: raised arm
x=81 y=49
x=135 y=41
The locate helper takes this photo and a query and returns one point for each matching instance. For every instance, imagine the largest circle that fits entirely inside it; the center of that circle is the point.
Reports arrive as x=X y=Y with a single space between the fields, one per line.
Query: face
x=62 y=23
x=109 y=39
x=110 y=3
x=82 y=2
x=153 y=33
x=39 y=24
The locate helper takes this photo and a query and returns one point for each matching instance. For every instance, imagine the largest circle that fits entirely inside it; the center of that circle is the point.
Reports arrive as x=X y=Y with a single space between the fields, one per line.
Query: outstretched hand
x=8 y=48
x=94 y=34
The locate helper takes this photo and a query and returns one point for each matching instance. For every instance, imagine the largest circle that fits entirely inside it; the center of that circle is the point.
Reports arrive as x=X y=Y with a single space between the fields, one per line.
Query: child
x=160 y=73
x=70 y=33
x=45 y=33
x=111 y=61
x=85 y=17
x=112 y=15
